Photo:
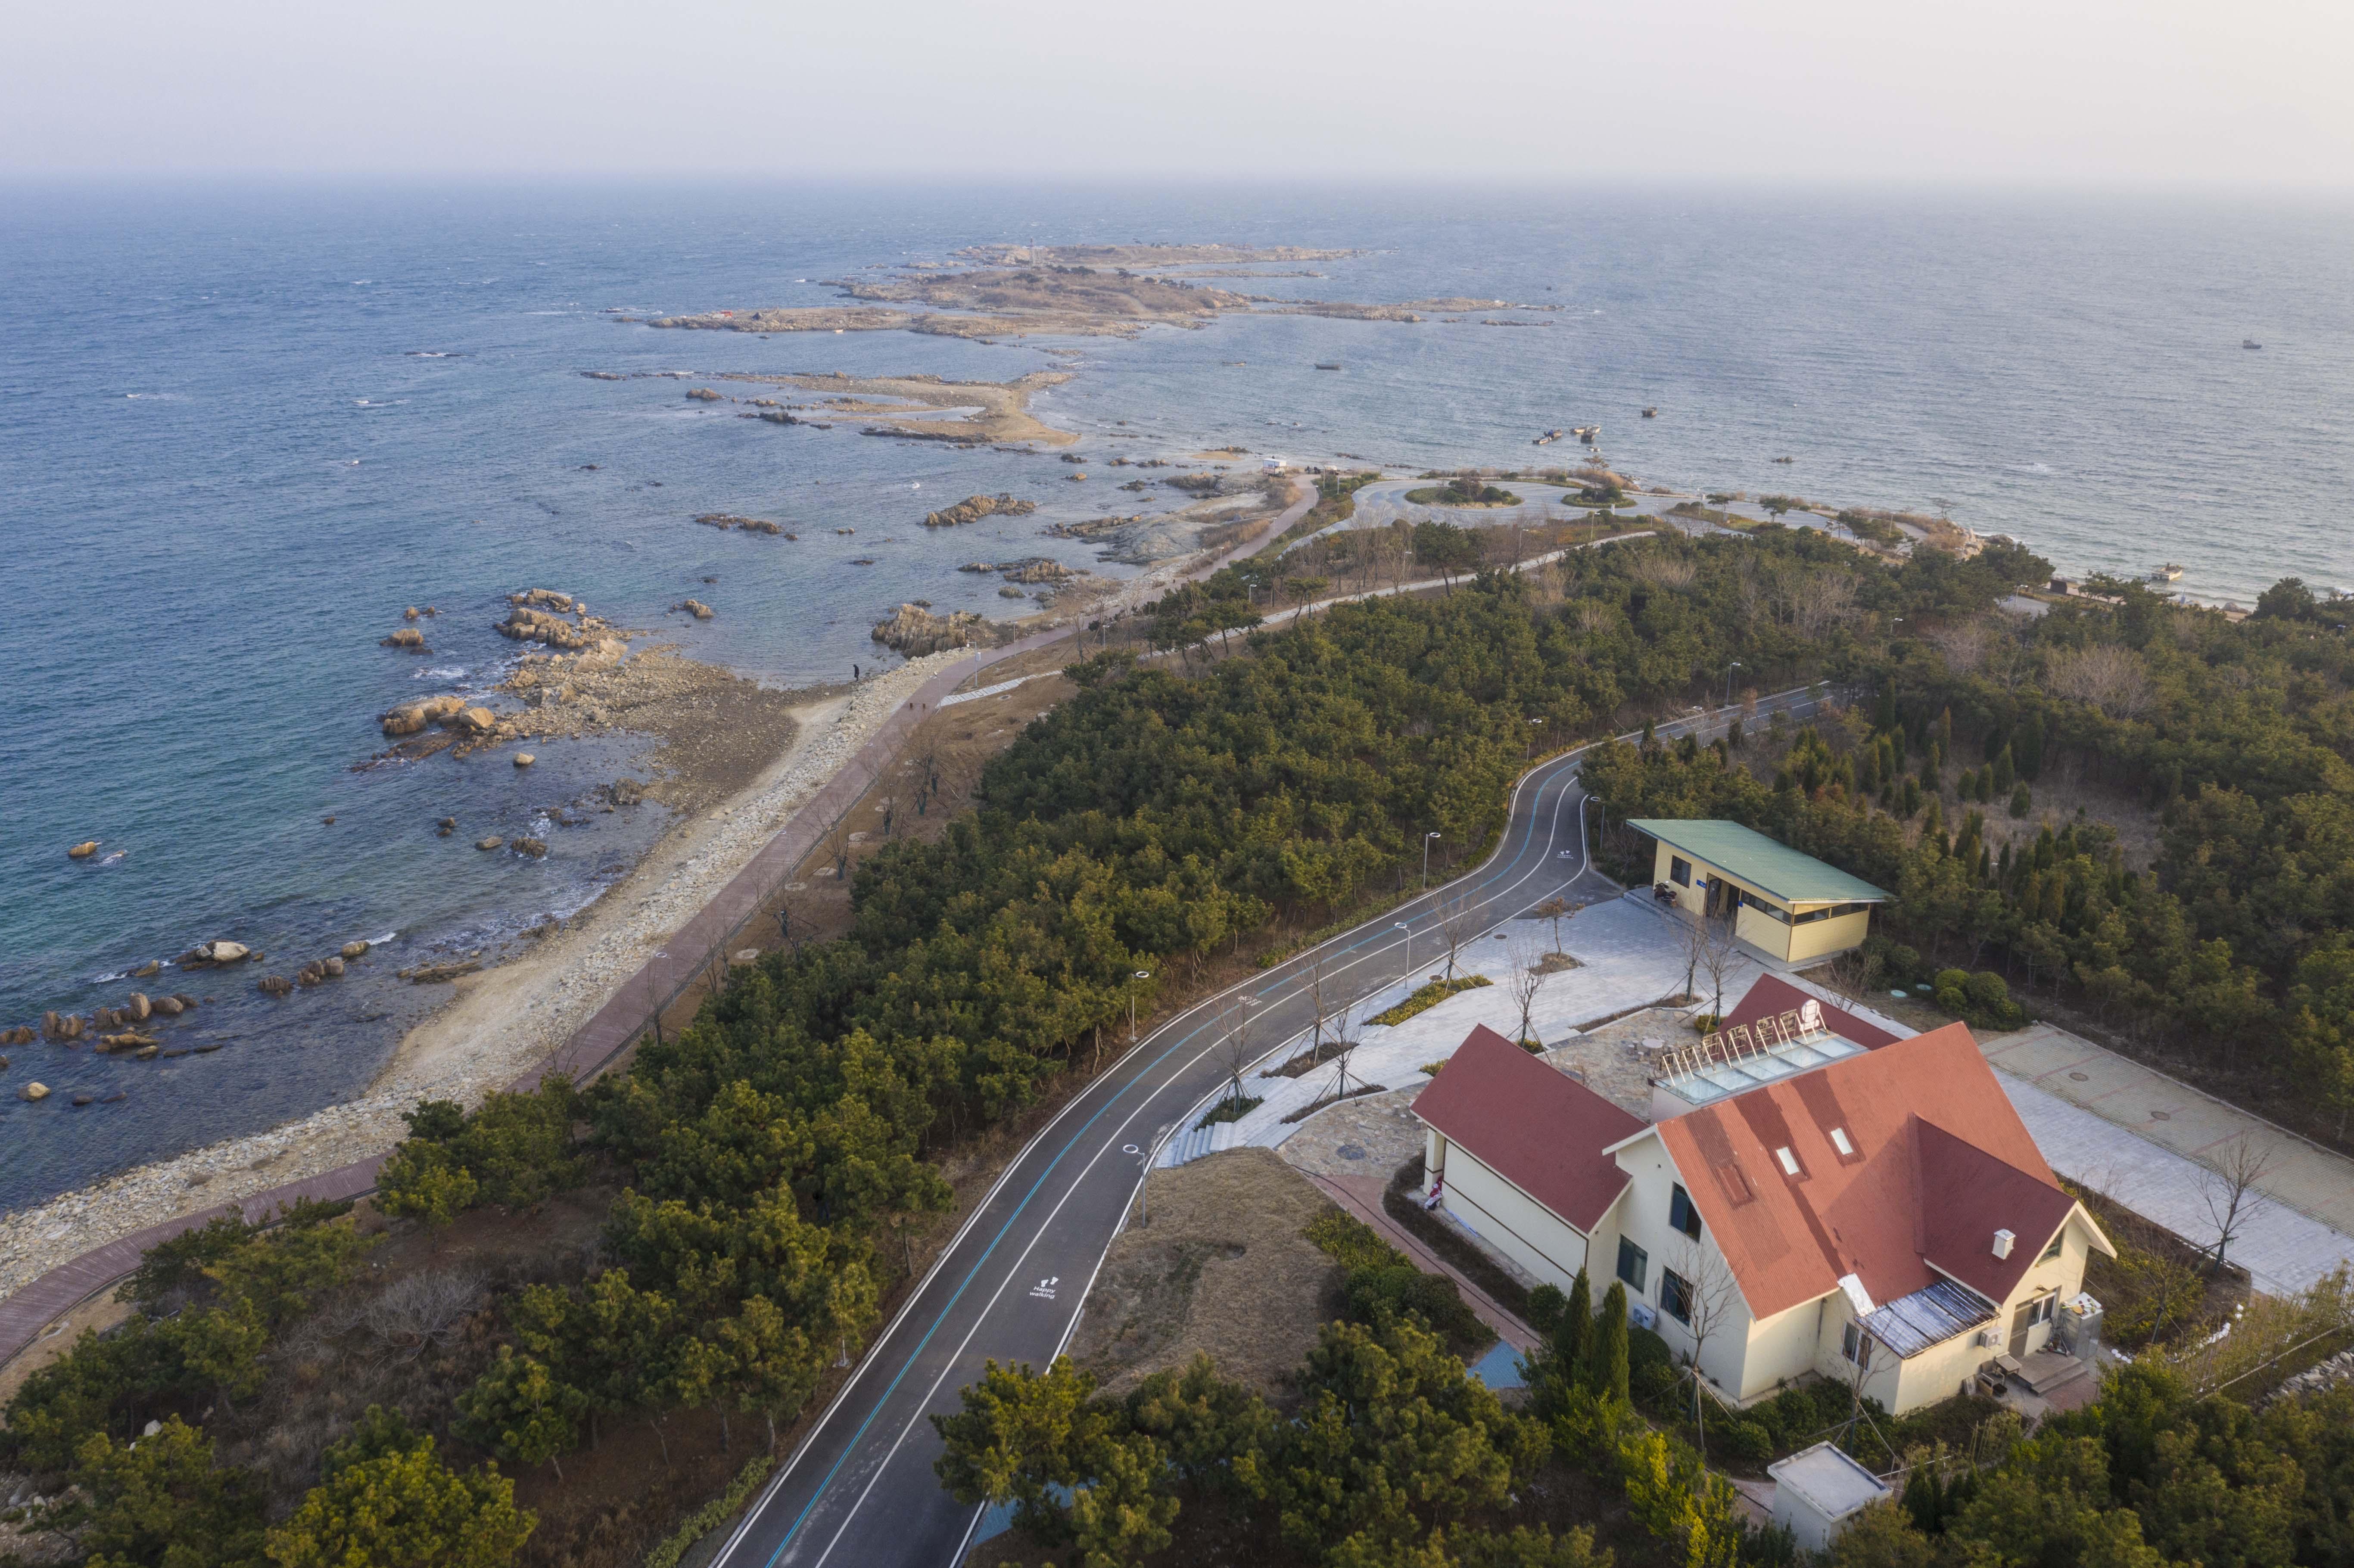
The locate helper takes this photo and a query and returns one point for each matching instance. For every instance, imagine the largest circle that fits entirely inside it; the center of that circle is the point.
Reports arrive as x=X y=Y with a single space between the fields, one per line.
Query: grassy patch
x=1424 y=998
x=1459 y=493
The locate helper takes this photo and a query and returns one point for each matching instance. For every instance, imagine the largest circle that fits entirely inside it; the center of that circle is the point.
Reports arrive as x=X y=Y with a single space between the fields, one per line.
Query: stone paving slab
x=2176 y=1117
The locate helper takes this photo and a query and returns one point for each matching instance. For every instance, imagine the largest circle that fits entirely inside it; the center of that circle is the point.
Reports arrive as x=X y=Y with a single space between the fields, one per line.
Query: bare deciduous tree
x=2231 y=1189
x=1555 y=910
x=1234 y=1050
x=1455 y=928
x=1525 y=980
x=1718 y=954
x=1711 y=1298
x=2108 y=677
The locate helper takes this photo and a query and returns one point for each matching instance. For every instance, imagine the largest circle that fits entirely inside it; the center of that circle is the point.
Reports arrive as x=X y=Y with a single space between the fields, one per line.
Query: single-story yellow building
x=1787 y=905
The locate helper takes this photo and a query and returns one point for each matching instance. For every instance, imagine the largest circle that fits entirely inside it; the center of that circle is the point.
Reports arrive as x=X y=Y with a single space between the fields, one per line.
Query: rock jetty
x=973 y=508
x=916 y=632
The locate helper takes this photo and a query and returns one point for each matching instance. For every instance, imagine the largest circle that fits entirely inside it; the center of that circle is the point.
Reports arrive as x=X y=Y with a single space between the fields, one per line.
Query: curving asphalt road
x=861 y=1491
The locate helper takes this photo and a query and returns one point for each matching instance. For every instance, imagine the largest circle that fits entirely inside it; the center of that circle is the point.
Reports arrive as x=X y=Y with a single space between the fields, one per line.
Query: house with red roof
x=1817 y=1196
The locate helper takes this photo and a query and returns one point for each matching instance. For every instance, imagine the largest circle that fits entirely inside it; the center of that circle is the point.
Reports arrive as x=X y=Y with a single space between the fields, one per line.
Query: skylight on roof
x=1789 y=1162
x=1839 y=1142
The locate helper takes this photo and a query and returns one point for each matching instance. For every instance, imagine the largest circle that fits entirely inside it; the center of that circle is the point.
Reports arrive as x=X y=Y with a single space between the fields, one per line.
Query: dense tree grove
x=1170 y=810
x=2237 y=735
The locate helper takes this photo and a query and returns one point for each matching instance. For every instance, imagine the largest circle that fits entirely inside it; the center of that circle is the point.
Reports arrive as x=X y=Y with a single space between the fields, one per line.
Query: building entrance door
x=2019 y=1322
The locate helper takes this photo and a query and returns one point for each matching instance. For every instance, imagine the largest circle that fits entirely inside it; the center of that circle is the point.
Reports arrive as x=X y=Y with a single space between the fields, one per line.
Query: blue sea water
x=241 y=428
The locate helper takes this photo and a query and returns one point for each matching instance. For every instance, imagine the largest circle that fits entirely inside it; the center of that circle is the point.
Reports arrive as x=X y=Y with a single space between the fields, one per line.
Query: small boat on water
x=2168 y=573
x=1650 y=413
x=1327 y=364
x=1589 y=434
x=2250 y=342
x=1547 y=439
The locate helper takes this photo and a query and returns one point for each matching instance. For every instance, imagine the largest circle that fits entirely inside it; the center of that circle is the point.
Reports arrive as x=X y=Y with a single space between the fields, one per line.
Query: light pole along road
x=861 y=1491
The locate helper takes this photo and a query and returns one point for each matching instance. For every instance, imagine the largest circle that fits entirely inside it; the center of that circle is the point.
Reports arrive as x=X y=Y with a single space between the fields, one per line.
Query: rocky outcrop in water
x=525 y=624
x=916 y=632
x=82 y=850
x=973 y=508
x=726 y=520
x=703 y=395
x=695 y=607
x=410 y=718
x=407 y=638
x=207 y=954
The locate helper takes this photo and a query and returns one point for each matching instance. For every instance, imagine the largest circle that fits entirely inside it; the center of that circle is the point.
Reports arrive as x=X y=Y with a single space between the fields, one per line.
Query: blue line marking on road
x=1069 y=1144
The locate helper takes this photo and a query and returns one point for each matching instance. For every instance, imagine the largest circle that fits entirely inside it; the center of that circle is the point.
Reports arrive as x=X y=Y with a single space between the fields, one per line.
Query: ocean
x=243 y=426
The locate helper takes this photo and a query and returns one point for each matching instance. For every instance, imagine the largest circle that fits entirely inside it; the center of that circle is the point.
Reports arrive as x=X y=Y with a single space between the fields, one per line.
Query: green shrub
x=1424 y=998
x=1747 y=1441
x=514 y=1150
x=1546 y=1304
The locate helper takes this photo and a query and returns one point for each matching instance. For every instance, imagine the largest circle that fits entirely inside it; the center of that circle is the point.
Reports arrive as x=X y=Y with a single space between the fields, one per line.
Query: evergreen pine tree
x=1606 y=1353
x=1575 y=1330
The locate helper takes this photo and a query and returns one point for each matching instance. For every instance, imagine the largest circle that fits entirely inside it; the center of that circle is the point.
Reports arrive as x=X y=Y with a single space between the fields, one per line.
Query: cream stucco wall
x=1836 y=935
x=1546 y=1246
x=1781 y=1350
x=1791 y=943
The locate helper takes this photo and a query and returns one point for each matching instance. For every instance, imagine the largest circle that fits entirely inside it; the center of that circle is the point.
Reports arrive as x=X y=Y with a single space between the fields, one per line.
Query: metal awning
x=1911 y=1324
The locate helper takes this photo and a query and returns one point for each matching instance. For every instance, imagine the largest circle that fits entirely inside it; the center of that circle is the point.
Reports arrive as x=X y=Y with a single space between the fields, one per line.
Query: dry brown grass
x=1222 y=1268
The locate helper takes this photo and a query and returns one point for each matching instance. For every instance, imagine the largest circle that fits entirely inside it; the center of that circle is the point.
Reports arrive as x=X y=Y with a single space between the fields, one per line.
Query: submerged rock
x=274 y=985
x=355 y=949
x=34 y=1092
x=490 y=843
x=525 y=760
x=534 y=848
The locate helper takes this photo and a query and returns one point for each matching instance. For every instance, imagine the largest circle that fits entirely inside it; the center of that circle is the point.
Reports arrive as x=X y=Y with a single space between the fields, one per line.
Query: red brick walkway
x=605 y=1036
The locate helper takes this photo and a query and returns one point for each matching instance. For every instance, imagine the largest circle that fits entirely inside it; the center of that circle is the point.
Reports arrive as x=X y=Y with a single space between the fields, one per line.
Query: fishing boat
x=1589 y=434
x=1547 y=439
x=1650 y=413
x=1327 y=364
x=2250 y=342
x=2168 y=573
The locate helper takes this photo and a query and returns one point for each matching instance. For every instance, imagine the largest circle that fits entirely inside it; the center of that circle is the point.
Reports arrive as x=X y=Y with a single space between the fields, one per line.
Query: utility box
x=1817 y=1490
x=2076 y=1328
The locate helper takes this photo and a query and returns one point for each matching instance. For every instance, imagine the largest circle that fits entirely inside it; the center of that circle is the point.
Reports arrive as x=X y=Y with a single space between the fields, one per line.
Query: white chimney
x=2002 y=1240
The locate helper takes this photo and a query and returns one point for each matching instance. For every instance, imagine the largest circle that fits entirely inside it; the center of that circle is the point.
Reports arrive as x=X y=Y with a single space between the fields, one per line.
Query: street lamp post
x=1402 y=926
x=1140 y=975
x=1425 y=857
x=1729 y=669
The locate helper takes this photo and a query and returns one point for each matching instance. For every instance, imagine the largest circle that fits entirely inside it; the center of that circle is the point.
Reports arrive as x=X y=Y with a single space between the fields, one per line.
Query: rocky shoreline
x=501 y=1022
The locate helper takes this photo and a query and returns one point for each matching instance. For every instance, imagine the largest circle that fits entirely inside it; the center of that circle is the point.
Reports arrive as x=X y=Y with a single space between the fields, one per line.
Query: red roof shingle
x=1531 y=1124
x=1940 y=1162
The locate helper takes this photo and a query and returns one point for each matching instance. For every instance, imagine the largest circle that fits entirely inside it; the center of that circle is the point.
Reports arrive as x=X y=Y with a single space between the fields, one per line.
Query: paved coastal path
x=29 y=1312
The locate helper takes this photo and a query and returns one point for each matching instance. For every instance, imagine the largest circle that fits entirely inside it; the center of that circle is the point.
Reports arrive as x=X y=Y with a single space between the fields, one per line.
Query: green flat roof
x=1747 y=855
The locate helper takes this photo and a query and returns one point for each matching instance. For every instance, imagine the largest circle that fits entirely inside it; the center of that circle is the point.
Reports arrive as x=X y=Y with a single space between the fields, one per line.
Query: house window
x=1679 y=870
x=1789 y=1162
x=1675 y=1296
x=1855 y=1346
x=2040 y=1311
x=1681 y=1213
x=1771 y=911
x=1839 y=1142
x=1634 y=1264
x=2054 y=1250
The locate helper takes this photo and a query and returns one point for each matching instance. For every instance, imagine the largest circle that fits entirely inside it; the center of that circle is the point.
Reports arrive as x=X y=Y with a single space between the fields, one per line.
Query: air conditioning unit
x=1989 y=1338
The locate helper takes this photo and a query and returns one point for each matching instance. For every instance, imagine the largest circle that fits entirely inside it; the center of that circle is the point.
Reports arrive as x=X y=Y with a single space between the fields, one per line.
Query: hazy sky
x=2248 y=91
